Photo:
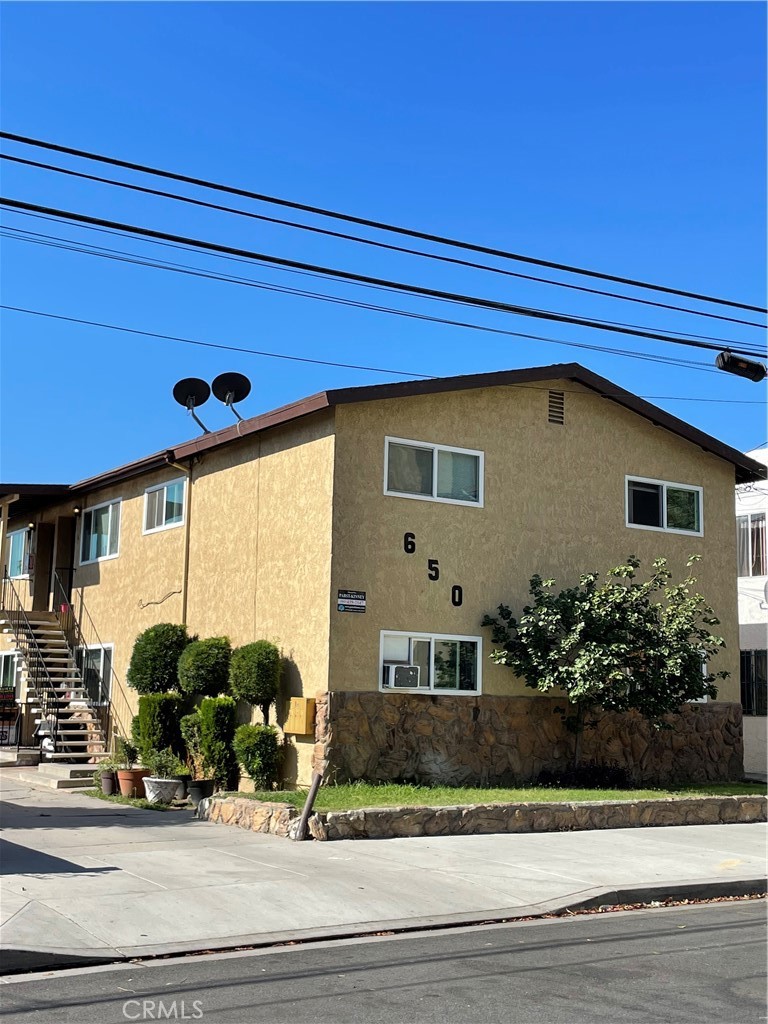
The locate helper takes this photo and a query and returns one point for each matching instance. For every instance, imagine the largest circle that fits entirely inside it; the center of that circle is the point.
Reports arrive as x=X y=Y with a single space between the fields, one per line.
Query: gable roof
x=746 y=469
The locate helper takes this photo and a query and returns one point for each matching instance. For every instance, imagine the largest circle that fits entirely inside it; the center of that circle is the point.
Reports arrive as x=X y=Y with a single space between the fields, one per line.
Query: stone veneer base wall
x=485 y=819
x=489 y=740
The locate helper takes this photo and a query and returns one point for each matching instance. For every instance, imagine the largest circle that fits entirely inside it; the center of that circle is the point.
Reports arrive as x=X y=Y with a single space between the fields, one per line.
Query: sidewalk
x=88 y=879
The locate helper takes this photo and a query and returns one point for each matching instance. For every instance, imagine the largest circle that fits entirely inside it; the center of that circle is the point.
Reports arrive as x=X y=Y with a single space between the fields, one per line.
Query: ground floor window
x=10 y=692
x=754 y=687
x=430 y=661
x=95 y=664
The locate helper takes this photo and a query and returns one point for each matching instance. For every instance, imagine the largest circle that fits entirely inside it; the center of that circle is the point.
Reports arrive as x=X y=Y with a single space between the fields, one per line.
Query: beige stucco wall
x=554 y=505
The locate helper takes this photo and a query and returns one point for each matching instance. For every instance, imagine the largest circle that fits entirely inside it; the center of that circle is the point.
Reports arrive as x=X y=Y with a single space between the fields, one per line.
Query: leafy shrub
x=190 y=734
x=204 y=667
x=155 y=658
x=158 y=725
x=254 y=674
x=257 y=749
x=217 y=731
x=163 y=764
x=126 y=754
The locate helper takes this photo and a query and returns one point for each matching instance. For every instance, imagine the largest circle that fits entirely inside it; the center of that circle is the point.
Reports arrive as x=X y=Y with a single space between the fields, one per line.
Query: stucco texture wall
x=554 y=505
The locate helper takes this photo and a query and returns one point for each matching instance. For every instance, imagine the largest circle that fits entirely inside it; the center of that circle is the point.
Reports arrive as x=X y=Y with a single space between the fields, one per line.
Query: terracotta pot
x=108 y=781
x=131 y=781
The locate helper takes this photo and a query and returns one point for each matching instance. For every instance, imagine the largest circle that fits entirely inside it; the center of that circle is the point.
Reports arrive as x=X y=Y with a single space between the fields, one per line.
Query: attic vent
x=557 y=407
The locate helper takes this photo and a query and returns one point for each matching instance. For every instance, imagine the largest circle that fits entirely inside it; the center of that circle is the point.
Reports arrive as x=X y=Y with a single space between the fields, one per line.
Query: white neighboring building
x=751 y=516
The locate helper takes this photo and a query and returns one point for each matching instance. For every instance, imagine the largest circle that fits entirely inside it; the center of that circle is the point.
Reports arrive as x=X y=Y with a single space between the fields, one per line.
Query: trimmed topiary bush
x=158 y=726
x=217 y=731
x=204 y=667
x=254 y=674
x=258 y=750
x=155 y=658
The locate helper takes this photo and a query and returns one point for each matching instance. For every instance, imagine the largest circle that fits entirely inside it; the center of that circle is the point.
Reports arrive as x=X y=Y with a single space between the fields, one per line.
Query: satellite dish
x=192 y=392
x=230 y=388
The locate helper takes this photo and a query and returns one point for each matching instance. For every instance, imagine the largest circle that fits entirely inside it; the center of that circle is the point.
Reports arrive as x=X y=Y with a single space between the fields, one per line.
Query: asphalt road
x=700 y=964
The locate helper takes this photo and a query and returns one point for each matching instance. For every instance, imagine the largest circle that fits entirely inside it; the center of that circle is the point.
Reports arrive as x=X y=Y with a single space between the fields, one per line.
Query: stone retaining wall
x=488 y=740
x=485 y=819
x=253 y=815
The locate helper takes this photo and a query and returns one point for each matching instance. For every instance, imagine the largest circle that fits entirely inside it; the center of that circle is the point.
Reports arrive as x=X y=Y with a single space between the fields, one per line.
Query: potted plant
x=201 y=782
x=104 y=776
x=129 y=778
x=161 y=785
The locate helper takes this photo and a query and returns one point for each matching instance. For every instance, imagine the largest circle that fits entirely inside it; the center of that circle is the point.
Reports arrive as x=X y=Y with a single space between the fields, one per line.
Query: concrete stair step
x=77 y=757
x=65 y=771
x=38 y=780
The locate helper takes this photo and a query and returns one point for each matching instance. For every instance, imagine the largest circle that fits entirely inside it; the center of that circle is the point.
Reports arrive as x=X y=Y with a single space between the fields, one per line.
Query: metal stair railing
x=81 y=636
x=38 y=677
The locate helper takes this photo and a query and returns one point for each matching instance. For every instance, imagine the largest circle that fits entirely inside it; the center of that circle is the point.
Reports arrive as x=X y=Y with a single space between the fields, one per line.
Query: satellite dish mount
x=192 y=392
x=230 y=388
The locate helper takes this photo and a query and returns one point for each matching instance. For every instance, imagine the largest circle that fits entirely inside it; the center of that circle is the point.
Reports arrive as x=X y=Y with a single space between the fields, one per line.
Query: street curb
x=22 y=960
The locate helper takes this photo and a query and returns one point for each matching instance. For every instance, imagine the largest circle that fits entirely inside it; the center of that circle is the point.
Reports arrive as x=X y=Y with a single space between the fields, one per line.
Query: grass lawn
x=362 y=794
x=130 y=801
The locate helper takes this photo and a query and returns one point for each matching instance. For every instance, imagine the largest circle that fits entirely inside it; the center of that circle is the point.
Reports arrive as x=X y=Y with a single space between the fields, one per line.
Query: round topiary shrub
x=204 y=667
x=258 y=750
x=254 y=674
x=155 y=658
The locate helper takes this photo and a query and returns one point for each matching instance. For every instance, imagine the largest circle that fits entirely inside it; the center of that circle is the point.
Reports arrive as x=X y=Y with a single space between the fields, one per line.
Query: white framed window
x=100 y=536
x=430 y=662
x=19 y=543
x=750 y=541
x=661 y=505
x=95 y=665
x=433 y=472
x=164 y=506
x=10 y=677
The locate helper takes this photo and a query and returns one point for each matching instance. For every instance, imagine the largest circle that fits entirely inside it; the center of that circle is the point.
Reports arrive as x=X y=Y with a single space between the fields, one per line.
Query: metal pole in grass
x=301 y=831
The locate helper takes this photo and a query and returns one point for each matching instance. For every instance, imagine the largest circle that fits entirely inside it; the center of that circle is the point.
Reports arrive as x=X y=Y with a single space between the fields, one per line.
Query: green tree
x=618 y=643
x=257 y=748
x=203 y=667
x=254 y=674
x=155 y=657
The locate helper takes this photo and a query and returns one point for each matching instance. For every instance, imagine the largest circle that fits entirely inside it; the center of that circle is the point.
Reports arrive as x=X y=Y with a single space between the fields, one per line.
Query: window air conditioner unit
x=404 y=677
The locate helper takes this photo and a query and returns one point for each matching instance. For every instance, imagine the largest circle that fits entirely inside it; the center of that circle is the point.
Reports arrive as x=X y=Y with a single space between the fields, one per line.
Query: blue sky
x=626 y=137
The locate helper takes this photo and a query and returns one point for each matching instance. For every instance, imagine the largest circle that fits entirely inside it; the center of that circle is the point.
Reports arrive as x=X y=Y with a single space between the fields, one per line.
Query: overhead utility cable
x=365 y=222
x=350 y=276
x=282 y=289
x=723 y=342
x=328 y=362
x=368 y=241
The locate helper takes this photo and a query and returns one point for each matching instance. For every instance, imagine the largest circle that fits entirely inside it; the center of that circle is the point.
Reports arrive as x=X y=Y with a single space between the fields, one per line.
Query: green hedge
x=158 y=725
x=258 y=750
x=155 y=658
x=254 y=674
x=204 y=667
x=217 y=731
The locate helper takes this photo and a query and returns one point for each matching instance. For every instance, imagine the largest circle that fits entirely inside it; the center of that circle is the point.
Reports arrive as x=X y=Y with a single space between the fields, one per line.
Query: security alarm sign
x=351 y=601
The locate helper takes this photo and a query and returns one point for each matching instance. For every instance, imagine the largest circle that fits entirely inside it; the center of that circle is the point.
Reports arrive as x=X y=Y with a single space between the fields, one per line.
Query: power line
x=350 y=276
x=368 y=241
x=378 y=225
x=118 y=256
x=320 y=362
x=723 y=342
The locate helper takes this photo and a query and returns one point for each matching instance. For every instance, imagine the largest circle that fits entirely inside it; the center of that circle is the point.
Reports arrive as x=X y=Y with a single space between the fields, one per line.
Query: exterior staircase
x=55 y=688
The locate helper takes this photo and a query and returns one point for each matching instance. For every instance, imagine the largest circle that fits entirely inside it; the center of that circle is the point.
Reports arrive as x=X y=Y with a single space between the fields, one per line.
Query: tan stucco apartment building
x=367 y=531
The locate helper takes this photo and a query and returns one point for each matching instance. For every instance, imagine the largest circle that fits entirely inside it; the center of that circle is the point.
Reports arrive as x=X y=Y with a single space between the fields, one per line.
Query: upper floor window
x=430 y=662
x=164 y=506
x=433 y=472
x=750 y=540
x=658 y=505
x=18 y=553
x=100 y=532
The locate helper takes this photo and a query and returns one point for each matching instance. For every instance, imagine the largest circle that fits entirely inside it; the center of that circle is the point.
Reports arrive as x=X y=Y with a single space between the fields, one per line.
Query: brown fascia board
x=746 y=469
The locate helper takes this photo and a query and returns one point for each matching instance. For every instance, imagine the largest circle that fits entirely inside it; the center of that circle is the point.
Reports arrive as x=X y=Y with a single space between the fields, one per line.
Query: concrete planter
x=160 y=791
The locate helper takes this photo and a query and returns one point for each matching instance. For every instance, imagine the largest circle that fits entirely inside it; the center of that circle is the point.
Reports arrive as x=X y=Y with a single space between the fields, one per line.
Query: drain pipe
x=187 y=470
x=301 y=831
